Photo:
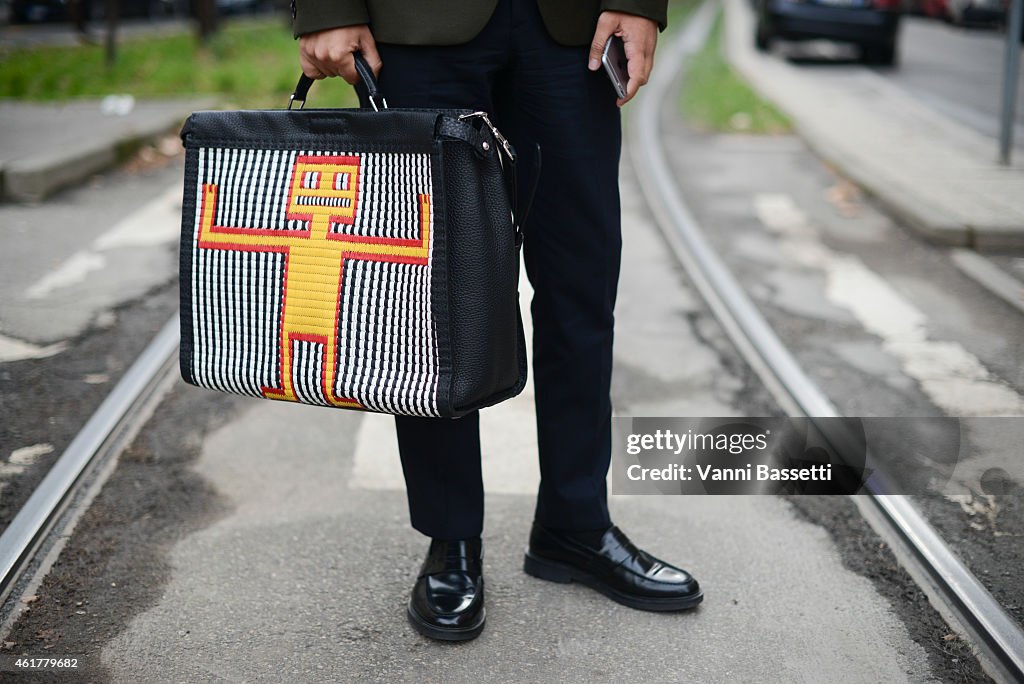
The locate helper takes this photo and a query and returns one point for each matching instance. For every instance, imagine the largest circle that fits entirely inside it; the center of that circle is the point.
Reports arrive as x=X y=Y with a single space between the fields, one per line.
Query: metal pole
x=1011 y=67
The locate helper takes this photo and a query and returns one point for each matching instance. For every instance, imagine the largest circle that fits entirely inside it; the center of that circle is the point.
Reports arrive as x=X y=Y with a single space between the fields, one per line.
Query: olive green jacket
x=450 y=22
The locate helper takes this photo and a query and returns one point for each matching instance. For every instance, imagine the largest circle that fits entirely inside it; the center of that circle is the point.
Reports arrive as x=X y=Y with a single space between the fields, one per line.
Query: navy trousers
x=537 y=91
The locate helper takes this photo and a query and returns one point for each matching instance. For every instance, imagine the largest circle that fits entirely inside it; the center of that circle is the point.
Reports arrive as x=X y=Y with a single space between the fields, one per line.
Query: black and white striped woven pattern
x=236 y=309
x=382 y=379
x=307 y=360
x=252 y=186
x=387 y=357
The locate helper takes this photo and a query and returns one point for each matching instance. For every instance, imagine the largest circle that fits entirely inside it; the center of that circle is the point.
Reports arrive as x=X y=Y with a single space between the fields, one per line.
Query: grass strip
x=679 y=11
x=715 y=98
x=249 y=64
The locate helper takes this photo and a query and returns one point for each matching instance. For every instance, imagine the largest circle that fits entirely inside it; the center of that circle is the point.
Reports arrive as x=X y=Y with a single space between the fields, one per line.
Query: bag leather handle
x=365 y=73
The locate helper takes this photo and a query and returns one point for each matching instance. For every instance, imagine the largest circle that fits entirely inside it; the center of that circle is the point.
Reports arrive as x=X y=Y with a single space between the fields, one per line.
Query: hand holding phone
x=616 y=64
x=634 y=35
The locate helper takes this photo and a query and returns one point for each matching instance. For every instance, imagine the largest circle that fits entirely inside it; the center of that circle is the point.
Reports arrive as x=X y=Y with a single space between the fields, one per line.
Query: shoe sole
x=564 y=574
x=442 y=634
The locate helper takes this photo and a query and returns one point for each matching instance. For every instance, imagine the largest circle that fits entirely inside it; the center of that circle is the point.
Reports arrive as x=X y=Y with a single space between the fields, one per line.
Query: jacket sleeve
x=652 y=9
x=316 y=15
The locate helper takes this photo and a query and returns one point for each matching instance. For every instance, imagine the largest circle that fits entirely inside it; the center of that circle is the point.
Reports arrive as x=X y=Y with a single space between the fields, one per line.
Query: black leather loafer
x=447 y=600
x=613 y=566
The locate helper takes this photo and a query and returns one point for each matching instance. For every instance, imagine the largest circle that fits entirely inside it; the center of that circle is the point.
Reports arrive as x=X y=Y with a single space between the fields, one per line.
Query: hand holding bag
x=351 y=258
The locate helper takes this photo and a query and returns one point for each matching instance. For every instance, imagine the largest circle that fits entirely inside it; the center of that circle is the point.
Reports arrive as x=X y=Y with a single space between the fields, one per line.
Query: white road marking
x=953 y=378
x=156 y=223
x=508 y=440
x=994 y=279
x=16 y=350
x=8 y=470
x=22 y=458
x=30 y=454
x=71 y=272
x=376 y=464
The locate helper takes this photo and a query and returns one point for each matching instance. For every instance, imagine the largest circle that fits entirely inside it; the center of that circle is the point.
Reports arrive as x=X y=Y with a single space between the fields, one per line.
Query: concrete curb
x=34 y=178
x=78 y=141
x=931 y=211
x=919 y=215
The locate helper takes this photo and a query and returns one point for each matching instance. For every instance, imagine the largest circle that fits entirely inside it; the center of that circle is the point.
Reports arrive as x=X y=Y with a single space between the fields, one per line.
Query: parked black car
x=871 y=24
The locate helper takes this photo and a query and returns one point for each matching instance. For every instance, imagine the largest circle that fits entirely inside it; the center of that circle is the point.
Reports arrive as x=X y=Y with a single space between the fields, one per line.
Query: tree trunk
x=206 y=13
x=113 y=16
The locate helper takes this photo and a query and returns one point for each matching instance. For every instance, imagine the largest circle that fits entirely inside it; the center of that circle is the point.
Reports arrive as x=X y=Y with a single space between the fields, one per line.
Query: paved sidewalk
x=46 y=147
x=63 y=33
x=938 y=176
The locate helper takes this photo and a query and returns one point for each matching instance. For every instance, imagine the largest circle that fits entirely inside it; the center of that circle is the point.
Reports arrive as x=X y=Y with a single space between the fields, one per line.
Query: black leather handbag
x=363 y=259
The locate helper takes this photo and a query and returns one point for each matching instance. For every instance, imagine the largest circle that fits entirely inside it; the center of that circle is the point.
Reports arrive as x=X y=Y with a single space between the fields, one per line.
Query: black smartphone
x=614 y=60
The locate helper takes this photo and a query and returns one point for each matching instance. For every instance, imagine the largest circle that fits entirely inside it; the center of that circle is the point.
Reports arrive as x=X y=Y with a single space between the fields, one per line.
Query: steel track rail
x=33 y=521
x=947 y=581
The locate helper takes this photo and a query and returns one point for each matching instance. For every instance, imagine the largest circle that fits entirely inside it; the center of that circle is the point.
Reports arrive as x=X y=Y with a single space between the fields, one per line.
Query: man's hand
x=329 y=52
x=639 y=36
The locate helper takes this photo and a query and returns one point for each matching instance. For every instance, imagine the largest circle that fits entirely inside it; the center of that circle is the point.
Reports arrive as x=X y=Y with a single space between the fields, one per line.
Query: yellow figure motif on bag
x=323 y=189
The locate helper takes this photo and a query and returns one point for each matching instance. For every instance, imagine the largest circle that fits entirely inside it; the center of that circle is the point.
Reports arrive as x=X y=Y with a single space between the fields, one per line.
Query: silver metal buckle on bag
x=502 y=140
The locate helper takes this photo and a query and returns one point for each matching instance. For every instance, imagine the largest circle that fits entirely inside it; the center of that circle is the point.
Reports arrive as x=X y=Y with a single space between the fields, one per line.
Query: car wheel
x=879 y=54
x=762 y=38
